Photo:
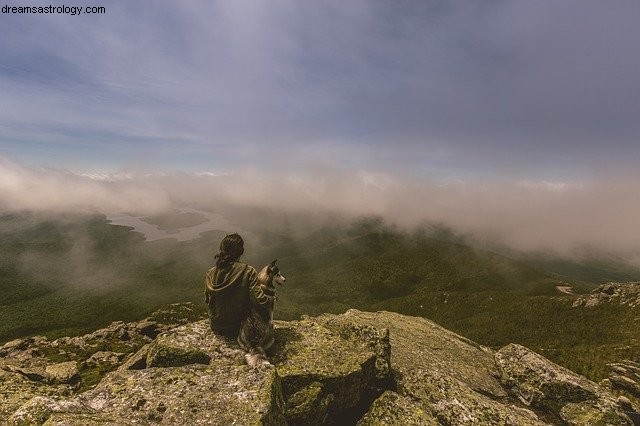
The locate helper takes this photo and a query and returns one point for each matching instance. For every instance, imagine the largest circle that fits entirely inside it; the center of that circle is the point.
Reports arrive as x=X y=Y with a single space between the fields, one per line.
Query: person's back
x=239 y=308
x=227 y=296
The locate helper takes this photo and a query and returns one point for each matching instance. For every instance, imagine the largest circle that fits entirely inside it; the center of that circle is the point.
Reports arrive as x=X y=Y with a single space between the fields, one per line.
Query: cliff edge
x=360 y=368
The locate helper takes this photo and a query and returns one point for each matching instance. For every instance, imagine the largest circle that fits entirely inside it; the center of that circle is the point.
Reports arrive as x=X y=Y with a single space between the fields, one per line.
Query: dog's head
x=274 y=272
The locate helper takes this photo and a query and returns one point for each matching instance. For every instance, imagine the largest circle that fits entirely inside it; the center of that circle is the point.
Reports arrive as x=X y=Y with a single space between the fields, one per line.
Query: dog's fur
x=256 y=334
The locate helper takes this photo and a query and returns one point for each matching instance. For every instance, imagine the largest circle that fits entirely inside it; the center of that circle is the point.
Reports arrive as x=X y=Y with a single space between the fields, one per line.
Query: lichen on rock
x=371 y=368
x=392 y=408
x=542 y=384
x=309 y=357
x=188 y=344
x=220 y=393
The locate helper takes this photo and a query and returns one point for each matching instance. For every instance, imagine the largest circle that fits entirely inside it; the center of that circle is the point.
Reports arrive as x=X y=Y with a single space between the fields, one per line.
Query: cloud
x=543 y=90
x=24 y=188
x=526 y=215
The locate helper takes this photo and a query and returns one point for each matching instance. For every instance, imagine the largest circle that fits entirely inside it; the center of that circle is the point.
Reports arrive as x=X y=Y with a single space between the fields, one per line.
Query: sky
x=513 y=118
x=449 y=90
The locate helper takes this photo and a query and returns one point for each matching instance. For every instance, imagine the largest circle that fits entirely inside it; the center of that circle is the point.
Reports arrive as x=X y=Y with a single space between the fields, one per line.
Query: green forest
x=74 y=273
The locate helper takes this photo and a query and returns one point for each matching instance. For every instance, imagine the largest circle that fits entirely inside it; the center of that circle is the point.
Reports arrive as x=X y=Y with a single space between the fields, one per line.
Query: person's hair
x=231 y=248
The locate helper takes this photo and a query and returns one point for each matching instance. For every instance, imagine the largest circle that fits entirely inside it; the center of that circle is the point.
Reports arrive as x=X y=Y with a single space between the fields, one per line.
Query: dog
x=256 y=333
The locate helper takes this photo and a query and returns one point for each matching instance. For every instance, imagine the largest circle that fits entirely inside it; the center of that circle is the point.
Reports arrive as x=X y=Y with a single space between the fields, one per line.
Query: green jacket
x=230 y=293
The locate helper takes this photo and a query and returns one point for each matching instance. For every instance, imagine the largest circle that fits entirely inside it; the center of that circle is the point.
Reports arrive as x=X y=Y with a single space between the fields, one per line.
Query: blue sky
x=450 y=90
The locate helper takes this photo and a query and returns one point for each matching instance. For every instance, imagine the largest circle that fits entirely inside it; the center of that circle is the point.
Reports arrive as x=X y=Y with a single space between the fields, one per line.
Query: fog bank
x=526 y=215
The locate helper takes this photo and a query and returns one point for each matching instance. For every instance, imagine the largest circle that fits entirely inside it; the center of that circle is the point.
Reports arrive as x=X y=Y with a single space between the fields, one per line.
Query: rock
x=148 y=328
x=594 y=413
x=316 y=364
x=446 y=375
x=137 y=361
x=188 y=344
x=64 y=372
x=376 y=339
x=83 y=419
x=16 y=390
x=625 y=383
x=16 y=344
x=420 y=344
x=453 y=402
x=38 y=409
x=309 y=406
x=393 y=409
x=35 y=375
x=625 y=376
x=105 y=358
x=622 y=293
x=220 y=393
x=375 y=368
x=540 y=383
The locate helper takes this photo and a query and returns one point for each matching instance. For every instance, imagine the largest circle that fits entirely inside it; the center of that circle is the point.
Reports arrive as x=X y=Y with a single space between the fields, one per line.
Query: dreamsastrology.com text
x=70 y=10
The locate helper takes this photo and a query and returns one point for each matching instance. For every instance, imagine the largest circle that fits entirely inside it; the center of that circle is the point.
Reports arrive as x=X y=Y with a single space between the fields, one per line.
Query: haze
x=510 y=120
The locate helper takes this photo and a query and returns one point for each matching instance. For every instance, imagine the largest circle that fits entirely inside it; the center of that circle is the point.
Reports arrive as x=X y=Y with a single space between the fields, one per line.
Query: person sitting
x=237 y=301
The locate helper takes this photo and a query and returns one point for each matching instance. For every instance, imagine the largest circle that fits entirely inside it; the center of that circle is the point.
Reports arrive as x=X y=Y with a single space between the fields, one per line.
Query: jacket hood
x=227 y=278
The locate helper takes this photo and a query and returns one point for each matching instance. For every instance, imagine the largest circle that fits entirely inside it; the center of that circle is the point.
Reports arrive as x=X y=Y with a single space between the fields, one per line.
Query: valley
x=72 y=274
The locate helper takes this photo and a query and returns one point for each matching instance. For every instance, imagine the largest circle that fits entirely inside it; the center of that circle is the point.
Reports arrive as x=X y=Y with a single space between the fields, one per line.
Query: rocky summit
x=359 y=368
x=622 y=293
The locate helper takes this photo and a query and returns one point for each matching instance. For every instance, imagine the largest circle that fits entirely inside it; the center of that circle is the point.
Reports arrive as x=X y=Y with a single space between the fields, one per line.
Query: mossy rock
x=393 y=409
x=188 y=344
x=70 y=419
x=308 y=406
x=594 y=414
x=417 y=343
x=220 y=393
x=453 y=402
x=64 y=372
x=39 y=409
x=16 y=390
x=448 y=376
x=551 y=388
x=306 y=352
x=375 y=337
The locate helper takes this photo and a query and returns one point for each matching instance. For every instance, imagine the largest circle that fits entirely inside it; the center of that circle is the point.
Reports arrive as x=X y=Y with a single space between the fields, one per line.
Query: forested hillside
x=75 y=273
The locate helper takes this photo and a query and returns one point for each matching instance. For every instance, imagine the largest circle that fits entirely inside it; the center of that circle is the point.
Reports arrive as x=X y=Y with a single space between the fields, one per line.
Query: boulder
x=420 y=344
x=392 y=408
x=542 y=384
x=13 y=345
x=105 y=358
x=309 y=405
x=376 y=338
x=192 y=343
x=63 y=372
x=446 y=375
x=625 y=376
x=371 y=368
x=323 y=375
x=621 y=293
x=16 y=389
x=136 y=361
x=39 y=409
x=220 y=393
x=148 y=328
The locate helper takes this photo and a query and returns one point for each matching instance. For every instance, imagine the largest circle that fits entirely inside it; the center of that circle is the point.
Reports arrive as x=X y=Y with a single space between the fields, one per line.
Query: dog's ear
x=273 y=263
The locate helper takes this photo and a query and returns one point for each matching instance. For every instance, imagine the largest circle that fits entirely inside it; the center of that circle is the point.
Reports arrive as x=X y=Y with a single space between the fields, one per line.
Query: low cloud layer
x=526 y=214
x=23 y=188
